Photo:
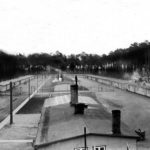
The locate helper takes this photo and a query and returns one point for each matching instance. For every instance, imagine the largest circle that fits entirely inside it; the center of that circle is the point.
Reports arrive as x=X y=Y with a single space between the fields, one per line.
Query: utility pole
x=11 y=104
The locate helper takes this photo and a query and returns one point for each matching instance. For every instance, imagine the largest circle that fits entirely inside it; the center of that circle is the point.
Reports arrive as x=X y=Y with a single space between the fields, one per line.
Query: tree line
x=136 y=56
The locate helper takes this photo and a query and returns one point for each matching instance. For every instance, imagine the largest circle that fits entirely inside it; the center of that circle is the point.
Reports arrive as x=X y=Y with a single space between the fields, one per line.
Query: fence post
x=42 y=82
x=11 y=104
x=37 y=83
x=29 y=88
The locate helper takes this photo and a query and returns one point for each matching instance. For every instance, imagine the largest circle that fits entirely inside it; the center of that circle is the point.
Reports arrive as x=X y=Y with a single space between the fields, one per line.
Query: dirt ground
x=135 y=109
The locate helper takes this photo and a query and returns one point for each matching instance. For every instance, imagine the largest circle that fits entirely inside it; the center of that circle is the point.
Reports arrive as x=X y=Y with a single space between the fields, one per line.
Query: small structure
x=74 y=92
x=79 y=108
x=77 y=127
x=62 y=128
x=60 y=77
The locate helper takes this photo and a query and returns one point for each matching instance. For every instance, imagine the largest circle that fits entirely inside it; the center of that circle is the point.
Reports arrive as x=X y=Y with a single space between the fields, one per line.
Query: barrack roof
x=59 y=123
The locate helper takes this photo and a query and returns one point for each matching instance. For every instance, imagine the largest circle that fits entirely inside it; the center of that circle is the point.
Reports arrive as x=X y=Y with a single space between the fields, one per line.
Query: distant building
x=61 y=127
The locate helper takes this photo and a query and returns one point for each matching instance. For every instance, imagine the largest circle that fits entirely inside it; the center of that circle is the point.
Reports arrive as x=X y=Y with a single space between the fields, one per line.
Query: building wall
x=111 y=143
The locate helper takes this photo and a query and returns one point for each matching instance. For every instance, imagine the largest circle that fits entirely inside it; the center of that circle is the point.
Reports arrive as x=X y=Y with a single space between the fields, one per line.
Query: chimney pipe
x=74 y=94
x=116 y=121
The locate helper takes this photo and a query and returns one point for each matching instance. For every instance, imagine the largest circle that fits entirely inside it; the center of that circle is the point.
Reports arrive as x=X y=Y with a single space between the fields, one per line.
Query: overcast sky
x=72 y=26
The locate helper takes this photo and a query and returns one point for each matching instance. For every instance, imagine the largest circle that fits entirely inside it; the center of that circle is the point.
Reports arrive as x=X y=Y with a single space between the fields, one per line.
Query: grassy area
x=34 y=106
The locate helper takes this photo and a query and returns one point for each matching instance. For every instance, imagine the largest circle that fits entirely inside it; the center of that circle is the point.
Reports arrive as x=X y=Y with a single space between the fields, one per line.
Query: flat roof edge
x=88 y=134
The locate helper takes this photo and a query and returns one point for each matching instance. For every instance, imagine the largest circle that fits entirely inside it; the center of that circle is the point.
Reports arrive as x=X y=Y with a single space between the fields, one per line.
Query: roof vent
x=79 y=108
x=116 y=121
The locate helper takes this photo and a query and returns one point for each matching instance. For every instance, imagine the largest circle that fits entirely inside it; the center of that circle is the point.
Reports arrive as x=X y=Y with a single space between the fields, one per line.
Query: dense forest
x=121 y=60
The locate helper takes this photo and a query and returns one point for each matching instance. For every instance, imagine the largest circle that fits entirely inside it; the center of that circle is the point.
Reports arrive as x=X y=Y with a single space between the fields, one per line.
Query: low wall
x=5 y=87
x=121 y=85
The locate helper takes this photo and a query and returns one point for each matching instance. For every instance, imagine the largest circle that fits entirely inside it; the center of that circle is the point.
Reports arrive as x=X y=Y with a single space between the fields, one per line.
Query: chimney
x=74 y=94
x=79 y=108
x=116 y=121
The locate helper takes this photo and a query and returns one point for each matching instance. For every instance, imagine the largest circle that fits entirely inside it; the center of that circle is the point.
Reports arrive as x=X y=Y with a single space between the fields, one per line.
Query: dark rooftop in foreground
x=59 y=123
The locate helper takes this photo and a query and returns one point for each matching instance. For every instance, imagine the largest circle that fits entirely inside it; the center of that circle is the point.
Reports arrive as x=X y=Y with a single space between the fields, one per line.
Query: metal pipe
x=85 y=143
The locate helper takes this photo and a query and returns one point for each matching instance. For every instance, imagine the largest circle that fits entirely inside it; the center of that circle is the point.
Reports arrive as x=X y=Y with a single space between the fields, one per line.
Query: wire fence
x=123 y=85
x=14 y=92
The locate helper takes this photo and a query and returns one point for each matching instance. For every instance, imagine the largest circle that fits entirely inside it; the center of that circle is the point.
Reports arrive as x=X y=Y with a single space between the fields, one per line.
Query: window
x=102 y=147
x=99 y=147
x=81 y=148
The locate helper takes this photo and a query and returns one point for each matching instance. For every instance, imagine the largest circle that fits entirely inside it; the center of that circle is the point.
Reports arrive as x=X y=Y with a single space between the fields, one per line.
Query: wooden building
x=62 y=127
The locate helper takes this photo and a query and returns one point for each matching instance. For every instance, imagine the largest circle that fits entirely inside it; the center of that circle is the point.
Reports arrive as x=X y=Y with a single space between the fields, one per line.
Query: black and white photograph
x=74 y=75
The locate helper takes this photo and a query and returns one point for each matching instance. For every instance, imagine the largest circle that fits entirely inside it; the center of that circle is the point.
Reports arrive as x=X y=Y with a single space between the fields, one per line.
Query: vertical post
x=74 y=94
x=37 y=82
x=85 y=145
x=148 y=59
x=42 y=82
x=116 y=122
x=29 y=88
x=76 y=80
x=11 y=104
